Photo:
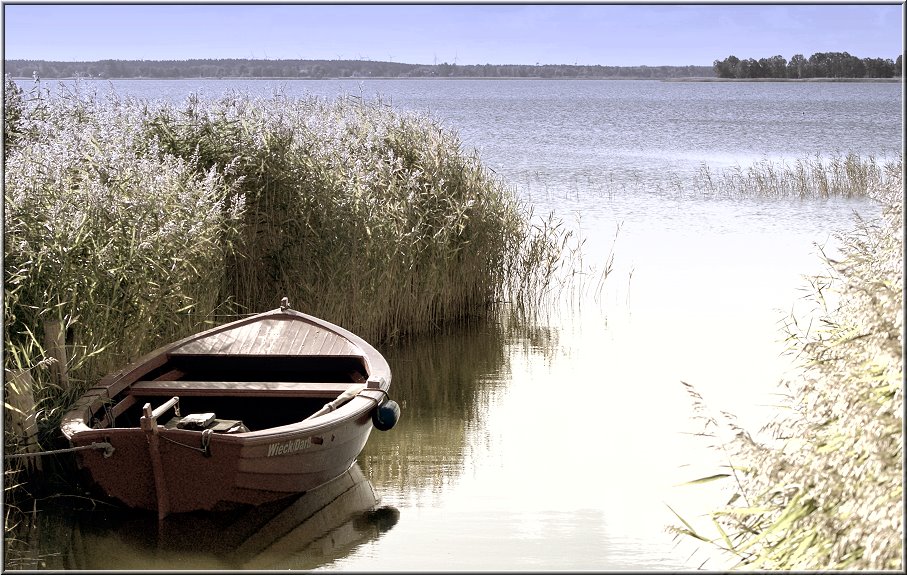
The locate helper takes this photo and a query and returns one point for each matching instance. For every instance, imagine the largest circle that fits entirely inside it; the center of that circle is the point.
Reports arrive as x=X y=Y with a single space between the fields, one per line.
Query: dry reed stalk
x=827 y=491
x=847 y=176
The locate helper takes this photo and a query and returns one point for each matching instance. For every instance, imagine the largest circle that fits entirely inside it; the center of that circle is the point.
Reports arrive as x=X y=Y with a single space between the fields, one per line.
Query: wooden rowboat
x=252 y=411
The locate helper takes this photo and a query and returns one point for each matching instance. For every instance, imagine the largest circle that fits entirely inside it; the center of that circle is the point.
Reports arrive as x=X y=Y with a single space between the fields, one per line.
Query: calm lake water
x=559 y=443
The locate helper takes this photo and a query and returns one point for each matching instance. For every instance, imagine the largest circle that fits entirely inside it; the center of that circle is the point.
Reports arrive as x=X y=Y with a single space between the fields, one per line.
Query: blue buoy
x=386 y=415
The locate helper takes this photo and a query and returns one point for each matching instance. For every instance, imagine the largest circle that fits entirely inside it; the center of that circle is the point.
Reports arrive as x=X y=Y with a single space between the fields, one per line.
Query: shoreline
x=895 y=80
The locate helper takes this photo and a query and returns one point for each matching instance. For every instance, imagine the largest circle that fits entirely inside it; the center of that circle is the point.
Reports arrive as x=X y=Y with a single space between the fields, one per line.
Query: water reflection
x=556 y=443
x=522 y=462
x=445 y=385
x=302 y=533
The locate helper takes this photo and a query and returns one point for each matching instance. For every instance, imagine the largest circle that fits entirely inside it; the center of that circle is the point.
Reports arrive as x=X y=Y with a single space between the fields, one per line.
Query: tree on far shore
x=819 y=65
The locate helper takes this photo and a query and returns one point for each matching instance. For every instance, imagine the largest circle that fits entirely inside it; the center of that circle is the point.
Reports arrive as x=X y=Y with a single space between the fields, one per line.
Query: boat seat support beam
x=241 y=388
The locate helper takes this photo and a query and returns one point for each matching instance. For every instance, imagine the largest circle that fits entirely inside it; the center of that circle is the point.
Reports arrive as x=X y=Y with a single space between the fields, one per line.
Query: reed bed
x=120 y=245
x=374 y=219
x=131 y=223
x=841 y=176
x=824 y=489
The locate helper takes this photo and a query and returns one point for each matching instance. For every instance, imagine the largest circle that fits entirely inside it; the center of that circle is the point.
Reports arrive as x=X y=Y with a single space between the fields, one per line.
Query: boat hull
x=151 y=460
x=234 y=471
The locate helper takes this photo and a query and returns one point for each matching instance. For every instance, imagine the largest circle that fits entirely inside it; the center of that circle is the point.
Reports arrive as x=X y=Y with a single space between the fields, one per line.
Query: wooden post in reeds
x=55 y=344
x=20 y=400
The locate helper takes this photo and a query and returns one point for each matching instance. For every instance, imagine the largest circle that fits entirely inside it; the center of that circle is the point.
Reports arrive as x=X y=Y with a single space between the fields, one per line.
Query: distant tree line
x=819 y=65
x=243 y=68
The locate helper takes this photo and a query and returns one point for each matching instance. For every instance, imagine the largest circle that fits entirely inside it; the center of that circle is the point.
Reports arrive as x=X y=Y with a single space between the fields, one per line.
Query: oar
x=347 y=395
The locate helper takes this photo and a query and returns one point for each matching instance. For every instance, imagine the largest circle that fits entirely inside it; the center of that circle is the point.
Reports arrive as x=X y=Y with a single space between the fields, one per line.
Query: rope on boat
x=206 y=440
x=377 y=402
x=108 y=450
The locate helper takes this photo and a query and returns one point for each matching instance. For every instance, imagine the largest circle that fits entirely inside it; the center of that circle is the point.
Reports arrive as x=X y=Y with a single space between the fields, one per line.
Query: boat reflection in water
x=303 y=532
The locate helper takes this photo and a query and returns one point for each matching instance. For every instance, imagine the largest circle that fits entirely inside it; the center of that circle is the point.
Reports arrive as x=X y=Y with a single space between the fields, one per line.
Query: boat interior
x=258 y=391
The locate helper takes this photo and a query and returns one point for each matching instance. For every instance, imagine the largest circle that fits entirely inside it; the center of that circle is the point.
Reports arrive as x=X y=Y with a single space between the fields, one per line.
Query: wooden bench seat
x=239 y=388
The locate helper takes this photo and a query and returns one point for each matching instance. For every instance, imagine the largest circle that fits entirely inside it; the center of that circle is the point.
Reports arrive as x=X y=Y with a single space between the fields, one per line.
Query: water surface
x=558 y=443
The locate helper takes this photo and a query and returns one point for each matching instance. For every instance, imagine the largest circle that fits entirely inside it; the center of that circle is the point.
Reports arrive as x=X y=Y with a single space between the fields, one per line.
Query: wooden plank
x=282 y=329
x=239 y=336
x=172 y=375
x=339 y=345
x=249 y=345
x=292 y=335
x=328 y=344
x=316 y=341
x=116 y=411
x=223 y=341
x=55 y=343
x=257 y=343
x=20 y=402
x=268 y=340
x=272 y=336
x=240 y=388
x=220 y=342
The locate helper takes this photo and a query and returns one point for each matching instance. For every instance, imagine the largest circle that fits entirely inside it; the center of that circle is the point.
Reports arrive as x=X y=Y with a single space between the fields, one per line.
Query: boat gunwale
x=322 y=424
x=118 y=382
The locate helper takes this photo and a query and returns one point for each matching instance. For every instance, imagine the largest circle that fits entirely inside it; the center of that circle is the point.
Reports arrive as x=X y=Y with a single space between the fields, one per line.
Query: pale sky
x=616 y=35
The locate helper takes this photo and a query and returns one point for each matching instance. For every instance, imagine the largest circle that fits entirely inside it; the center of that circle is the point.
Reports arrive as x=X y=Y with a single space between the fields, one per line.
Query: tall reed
x=826 y=490
x=375 y=219
x=842 y=175
x=132 y=223
x=120 y=244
